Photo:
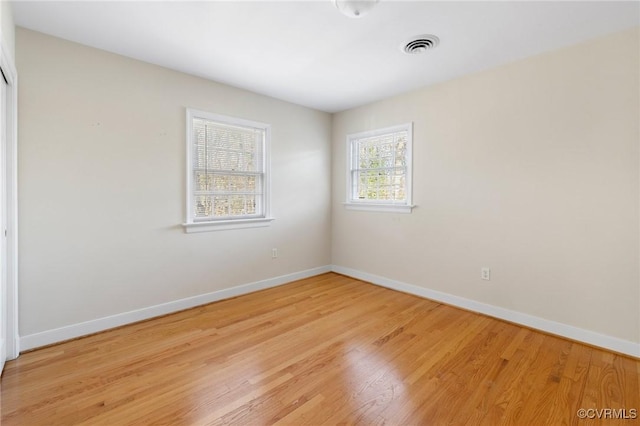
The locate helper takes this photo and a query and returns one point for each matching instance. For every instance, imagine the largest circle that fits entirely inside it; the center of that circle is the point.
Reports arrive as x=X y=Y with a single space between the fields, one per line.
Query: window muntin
x=228 y=178
x=380 y=167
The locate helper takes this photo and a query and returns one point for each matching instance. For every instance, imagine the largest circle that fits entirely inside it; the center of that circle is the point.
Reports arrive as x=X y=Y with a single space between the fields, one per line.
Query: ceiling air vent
x=420 y=44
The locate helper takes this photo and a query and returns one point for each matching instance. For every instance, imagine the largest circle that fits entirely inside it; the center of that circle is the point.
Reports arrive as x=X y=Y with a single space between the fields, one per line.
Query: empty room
x=320 y=212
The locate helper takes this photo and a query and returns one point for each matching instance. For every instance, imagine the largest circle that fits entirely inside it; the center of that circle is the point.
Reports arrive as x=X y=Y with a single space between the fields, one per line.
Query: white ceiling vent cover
x=420 y=44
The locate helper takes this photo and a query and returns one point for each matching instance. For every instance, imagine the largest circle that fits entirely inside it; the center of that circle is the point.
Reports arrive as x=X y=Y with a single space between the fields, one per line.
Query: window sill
x=223 y=225
x=389 y=208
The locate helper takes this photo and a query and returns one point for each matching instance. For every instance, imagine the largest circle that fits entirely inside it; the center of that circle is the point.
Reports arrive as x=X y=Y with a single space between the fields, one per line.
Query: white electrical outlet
x=485 y=274
x=274 y=253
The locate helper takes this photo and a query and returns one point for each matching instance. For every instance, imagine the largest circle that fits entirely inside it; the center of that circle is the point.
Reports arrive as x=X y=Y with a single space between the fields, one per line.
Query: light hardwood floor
x=324 y=350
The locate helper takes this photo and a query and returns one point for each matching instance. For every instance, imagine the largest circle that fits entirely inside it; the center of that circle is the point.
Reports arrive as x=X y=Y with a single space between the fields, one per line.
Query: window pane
x=220 y=183
x=202 y=181
x=221 y=204
x=381 y=163
x=228 y=169
x=203 y=206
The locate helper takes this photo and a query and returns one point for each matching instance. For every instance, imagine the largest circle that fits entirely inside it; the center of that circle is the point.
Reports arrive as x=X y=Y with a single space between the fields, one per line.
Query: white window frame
x=351 y=159
x=265 y=219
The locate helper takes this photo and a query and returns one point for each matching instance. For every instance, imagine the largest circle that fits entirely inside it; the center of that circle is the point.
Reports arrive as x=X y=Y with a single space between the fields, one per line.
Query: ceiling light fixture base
x=354 y=8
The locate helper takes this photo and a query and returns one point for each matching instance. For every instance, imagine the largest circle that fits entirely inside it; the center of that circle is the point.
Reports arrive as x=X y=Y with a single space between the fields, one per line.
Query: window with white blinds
x=379 y=169
x=228 y=175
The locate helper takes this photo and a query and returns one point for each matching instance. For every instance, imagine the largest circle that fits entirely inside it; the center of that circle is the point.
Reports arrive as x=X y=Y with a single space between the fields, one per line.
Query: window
x=227 y=167
x=379 y=169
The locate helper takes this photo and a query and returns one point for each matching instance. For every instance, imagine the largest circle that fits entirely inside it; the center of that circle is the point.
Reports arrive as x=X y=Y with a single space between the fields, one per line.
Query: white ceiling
x=306 y=52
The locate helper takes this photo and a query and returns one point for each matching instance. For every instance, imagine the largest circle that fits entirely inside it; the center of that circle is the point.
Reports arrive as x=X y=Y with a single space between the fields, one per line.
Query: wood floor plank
x=324 y=350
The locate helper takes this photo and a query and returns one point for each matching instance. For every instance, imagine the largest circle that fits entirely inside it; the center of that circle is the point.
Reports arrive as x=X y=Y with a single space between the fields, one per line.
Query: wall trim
x=36 y=340
x=73 y=331
x=7 y=63
x=560 y=329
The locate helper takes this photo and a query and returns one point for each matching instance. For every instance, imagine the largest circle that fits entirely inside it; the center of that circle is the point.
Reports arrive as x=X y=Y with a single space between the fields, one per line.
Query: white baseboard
x=49 y=337
x=553 y=327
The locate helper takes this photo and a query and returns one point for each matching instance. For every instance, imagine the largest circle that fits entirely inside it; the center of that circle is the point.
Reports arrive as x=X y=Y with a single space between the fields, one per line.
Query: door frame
x=11 y=176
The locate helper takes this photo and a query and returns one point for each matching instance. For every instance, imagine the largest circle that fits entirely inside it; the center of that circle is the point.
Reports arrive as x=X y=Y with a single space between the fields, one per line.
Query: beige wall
x=8 y=28
x=102 y=187
x=531 y=169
